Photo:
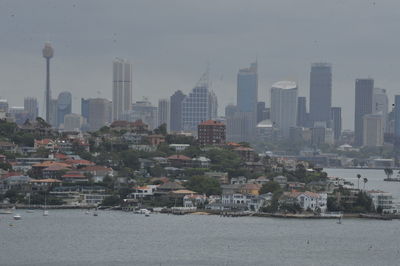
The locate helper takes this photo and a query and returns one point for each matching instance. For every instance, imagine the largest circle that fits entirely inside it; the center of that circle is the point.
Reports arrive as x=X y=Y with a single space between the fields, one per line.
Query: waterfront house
x=44 y=184
x=143 y=191
x=194 y=200
x=74 y=177
x=381 y=199
x=306 y=200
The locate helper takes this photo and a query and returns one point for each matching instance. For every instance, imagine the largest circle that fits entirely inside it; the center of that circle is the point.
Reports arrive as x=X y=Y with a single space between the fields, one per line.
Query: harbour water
x=71 y=237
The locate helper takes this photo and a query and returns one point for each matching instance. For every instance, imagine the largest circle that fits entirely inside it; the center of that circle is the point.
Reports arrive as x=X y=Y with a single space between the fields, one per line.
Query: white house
x=306 y=200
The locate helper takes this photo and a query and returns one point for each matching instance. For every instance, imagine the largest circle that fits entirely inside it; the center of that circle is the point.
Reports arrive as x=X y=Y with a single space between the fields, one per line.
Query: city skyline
x=165 y=48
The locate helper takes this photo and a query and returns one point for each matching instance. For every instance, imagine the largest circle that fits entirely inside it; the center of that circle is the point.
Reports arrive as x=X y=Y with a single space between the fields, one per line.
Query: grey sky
x=170 y=43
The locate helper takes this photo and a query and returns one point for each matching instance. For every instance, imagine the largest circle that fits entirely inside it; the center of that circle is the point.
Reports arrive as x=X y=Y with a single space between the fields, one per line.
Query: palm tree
x=365 y=181
x=358 y=183
x=388 y=172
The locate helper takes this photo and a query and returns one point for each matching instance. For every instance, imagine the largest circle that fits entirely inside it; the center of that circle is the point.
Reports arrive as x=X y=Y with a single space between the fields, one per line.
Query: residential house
x=222 y=177
x=179 y=161
x=8 y=147
x=306 y=200
x=201 y=162
x=98 y=172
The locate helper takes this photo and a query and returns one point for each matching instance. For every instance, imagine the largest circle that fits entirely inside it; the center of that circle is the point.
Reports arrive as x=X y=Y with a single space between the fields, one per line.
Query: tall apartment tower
x=336 y=116
x=64 y=106
x=164 y=113
x=48 y=53
x=176 y=110
x=122 y=88
x=320 y=92
x=363 y=106
x=284 y=106
x=31 y=107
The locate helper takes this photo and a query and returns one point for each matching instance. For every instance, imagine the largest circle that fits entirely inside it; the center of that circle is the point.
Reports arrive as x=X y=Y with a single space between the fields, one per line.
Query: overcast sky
x=170 y=43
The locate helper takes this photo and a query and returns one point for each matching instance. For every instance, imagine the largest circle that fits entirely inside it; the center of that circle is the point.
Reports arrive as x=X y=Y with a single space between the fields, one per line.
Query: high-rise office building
x=230 y=110
x=99 y=116
x=364 y=90
x=247 y=89
x=64 y=106
x=176 y=111
x=31 y=107
x=373 y=130
x=336 y=116
x=195 y=108
x=396 y=111
x=212 y=105
x=261 y=112
x=381 y=105
x=145 y=111
x=284 y=106
x=320 y=92
x=301 y=111
x=122 y=87
x=85 y=108
x=164 y=113
x=246 y=105
x=73 y=122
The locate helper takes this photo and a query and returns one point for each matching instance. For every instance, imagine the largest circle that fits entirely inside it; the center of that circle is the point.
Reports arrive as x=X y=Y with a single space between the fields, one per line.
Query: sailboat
x=45 y=212
x=29 y=210
x=340 y=220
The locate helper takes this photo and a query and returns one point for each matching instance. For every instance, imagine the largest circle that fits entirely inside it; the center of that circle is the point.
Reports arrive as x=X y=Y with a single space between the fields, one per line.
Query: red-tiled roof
x=48 y=180
x=43 y=141
x=211 y=123
x=178 y=157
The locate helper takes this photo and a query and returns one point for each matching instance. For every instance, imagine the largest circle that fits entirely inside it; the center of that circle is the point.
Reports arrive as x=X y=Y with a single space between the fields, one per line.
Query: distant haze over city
x=170 y=44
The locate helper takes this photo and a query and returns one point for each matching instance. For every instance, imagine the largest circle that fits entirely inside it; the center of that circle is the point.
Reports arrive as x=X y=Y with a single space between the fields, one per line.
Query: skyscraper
x=381 y=105
x=98 y=113
x=301 y=111
x=164 y=113
x=247 y=89
x=320 y=92
x=247 y=97
x=122 y=87
x=48 y=53
x=373 y=130
x=195 y=108
x=85 y=108
x=212 y=105
x=336 y=113
x=363 y=106
x=284 y=106
x=31 y=106
x=176 y=110
x=64 y=106
x=261 y=112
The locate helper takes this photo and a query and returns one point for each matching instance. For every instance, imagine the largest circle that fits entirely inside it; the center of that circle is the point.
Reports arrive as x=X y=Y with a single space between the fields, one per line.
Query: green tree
x=112 y=200
x=388 y=172
x=204 y=185
x=161 y=130
x=358 y=181
x=270 y=186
